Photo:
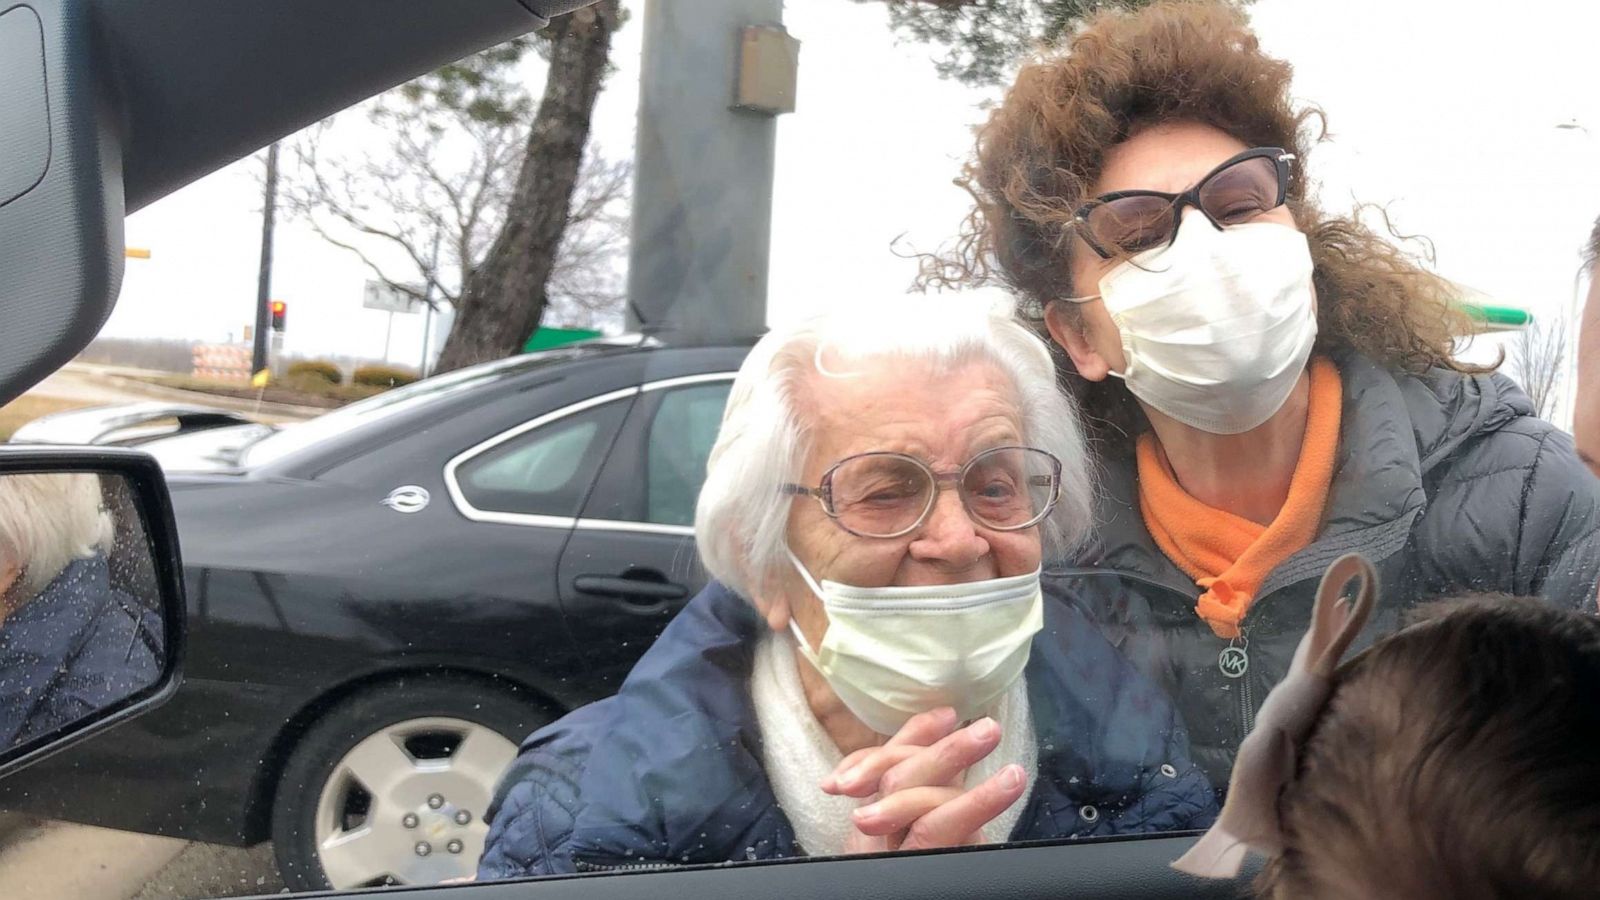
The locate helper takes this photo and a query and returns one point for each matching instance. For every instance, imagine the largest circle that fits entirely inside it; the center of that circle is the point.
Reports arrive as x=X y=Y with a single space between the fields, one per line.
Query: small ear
x=774 y=608
x=1088 y=361
x=1249 y=817
x=1335 y=622
x=1281 y=761
x=9 y=576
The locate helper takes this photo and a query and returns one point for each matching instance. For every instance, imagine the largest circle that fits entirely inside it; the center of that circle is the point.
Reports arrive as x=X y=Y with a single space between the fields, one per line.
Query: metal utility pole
x=258 y=357
x=388 y=333
x=714 y=77
x=427 y=341
x=427 y=308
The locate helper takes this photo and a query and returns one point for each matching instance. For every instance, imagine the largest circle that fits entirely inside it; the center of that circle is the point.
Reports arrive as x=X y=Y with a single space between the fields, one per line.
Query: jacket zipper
x=582 y=865
x=1247 y=714
x=1247 y=707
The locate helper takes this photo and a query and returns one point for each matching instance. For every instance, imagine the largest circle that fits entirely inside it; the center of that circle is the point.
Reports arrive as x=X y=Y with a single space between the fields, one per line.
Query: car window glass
x=562 y=550
x=681 y=435
x=544 y=472
x=540 y=465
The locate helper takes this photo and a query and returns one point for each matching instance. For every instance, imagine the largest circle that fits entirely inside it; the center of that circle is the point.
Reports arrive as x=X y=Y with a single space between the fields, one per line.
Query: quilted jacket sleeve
x=1515 y=512
x=531 y=820
x=1175 y=796
x=1560 y=540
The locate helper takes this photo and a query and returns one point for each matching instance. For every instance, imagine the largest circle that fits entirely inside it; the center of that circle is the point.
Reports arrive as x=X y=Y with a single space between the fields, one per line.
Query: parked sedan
x=129 y=424
x=384 y=600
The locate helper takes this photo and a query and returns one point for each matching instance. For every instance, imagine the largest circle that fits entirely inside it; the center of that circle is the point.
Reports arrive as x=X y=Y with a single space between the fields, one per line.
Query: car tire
x=390 y=785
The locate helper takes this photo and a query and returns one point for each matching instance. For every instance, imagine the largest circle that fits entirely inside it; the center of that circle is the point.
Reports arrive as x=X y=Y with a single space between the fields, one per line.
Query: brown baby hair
x=1455 y=758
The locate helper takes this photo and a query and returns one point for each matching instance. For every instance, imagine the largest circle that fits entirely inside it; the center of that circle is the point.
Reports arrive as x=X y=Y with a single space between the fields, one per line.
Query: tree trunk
x=503 y=298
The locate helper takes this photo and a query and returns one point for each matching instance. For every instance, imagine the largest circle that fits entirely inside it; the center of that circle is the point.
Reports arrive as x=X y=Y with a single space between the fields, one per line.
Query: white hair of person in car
x=47 y=520
x=742 y=516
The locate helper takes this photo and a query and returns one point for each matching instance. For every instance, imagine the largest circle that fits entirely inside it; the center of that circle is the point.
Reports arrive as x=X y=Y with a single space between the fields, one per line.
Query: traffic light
x=278 y=310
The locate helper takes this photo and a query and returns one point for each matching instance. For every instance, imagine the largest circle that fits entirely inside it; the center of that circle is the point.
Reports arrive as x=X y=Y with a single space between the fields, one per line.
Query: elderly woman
x=876 y=507
x=70 y=644
x=1272 y=386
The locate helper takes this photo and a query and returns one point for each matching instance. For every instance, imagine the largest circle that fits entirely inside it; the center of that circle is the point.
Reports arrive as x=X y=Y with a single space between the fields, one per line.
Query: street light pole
x=258 y=357
x=715 y=74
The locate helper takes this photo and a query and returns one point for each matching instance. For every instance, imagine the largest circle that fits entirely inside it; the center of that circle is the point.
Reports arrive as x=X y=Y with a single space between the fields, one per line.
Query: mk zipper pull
x=1234 y=660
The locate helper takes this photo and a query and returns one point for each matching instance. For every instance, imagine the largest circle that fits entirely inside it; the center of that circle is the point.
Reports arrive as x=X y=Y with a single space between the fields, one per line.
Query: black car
x=384 y=600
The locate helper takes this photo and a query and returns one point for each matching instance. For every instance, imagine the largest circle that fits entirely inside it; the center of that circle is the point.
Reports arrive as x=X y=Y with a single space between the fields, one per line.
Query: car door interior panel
x=1107 y=870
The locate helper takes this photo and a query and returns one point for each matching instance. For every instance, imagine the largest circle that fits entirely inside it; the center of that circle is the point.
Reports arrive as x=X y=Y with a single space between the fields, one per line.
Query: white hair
x=741 y=520
x=47 y=521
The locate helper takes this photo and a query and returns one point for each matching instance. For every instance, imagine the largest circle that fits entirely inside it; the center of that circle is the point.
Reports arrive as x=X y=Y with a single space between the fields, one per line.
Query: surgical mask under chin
x=892 y=652
x=1218 y=325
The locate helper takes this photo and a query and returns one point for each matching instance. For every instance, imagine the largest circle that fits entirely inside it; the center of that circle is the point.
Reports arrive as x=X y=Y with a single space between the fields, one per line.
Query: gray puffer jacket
x=1447 y=483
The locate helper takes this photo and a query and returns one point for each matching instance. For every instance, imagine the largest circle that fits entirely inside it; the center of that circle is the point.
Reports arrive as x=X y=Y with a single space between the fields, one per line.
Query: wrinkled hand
x=916 y=788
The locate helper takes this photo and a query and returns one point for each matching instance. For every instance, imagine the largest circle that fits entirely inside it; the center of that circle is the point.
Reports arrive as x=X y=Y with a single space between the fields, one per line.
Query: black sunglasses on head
x=1243 y=187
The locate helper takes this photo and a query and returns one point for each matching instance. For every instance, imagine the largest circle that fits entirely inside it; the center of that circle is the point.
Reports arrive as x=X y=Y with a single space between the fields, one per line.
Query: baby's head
x=1459 y=757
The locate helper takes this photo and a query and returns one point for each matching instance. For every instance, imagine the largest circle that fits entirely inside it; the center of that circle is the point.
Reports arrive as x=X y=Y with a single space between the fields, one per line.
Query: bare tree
x=983 y=39
x=587 y=286
x=504 y=297
x=1538 y=353
x=417 y=183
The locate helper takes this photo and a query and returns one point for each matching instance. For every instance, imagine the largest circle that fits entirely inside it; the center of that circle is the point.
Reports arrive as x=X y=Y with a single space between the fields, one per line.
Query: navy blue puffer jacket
x=669 y=771
x=73 y=650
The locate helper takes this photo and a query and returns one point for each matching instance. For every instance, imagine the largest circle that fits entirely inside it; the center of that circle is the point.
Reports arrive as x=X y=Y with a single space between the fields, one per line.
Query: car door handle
x=636 y=588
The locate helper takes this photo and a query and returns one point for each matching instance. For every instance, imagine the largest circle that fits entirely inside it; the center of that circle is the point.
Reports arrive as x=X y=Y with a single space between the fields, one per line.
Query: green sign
x=547 y=338
x=1498 y=318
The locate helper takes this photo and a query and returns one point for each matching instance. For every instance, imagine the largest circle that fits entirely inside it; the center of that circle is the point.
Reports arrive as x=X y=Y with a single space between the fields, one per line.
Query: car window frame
x=618 y=500
x=633 y=393
x=628 y=452
x=452 y=480
x=1105 y=868
x=649 y=416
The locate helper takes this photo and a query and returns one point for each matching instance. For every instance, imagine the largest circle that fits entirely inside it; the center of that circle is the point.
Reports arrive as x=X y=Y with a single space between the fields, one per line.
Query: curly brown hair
x=1043 y=148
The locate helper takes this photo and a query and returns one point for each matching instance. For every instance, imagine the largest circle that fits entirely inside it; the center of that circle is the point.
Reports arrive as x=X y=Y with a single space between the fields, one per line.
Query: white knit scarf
x=798 y=753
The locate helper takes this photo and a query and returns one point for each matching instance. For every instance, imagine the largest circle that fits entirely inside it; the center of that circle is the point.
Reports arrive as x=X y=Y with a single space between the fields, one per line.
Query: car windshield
x=850 y=427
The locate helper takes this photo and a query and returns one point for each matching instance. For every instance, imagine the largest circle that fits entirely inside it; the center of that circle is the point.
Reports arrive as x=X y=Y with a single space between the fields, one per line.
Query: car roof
x=582 y=370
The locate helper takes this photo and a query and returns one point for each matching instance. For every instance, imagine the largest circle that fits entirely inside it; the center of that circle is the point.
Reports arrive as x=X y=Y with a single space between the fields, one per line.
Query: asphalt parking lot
x=64 y=861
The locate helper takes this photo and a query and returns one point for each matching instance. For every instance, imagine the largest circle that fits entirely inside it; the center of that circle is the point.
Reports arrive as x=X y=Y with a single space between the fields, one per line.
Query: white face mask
x=1218 y=325
x=890 y=653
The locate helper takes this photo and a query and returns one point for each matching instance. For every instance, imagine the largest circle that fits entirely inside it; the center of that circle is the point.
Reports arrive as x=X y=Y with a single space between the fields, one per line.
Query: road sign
x=222 y=362
x=380 y=296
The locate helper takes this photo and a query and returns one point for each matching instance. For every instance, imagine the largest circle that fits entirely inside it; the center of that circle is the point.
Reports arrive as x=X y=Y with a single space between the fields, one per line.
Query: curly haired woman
x=1271 y=386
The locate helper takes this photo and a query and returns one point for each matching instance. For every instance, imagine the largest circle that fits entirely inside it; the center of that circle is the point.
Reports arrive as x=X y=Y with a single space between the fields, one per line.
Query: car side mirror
x=91 y=595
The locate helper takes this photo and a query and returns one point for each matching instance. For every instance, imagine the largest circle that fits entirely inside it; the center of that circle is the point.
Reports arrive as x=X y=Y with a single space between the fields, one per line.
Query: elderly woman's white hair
x=742 y=518
x=47 y=521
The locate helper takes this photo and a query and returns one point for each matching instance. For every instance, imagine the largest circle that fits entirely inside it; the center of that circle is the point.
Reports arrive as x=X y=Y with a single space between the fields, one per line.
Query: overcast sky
x=1448 y=116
